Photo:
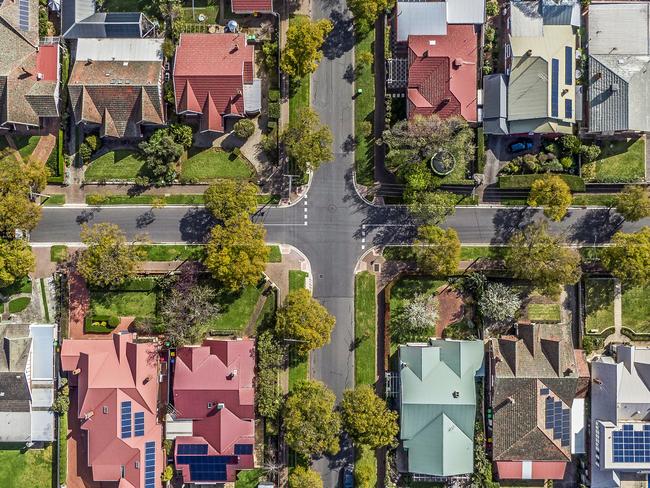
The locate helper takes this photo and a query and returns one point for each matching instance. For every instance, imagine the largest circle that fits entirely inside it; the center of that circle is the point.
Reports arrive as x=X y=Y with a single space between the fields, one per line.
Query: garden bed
x=100 y=324
x=599 y=304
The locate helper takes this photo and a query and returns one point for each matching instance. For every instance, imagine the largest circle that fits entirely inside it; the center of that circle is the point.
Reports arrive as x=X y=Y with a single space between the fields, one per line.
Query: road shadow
x=509 y=220
x=341 y=39
x=596 y=226
x=195 y=225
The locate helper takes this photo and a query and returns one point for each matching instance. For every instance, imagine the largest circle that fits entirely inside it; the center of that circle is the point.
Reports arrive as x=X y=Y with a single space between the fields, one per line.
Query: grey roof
x=420 y=18
x=465 y=11
x=528 y=88
x=564 y=13
x=619 y=28
x=495 y=109
x=110 y=49
x=79 y=20
x=526 y=19
x=253 y=96
x=43 y=337
x=16 y=427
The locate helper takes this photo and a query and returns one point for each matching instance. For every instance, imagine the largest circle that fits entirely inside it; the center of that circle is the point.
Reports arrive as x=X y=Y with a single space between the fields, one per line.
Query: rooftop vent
x=455 y=394
x=432 y=42
x=613 y=87
x=511 y=400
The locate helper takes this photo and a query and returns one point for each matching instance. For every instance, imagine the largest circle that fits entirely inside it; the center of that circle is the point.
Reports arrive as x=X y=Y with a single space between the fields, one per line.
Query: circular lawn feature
x=442 y=163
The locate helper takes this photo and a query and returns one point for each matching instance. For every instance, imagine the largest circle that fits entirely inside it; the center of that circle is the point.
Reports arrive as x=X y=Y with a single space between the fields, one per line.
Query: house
x=116 y=86
x=436 y=57
x=27 y=382
x=115 y=385
x=218 y=89
x=29 y=69
x=619 y=58
x=538 y=385
x=541 y=94
x=213 y=414
x=252 y=6
x=438 y=405
x=620 y=422
x=79 y=19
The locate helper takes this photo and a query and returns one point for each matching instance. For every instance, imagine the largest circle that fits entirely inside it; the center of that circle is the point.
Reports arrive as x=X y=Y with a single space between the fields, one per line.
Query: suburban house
x=620 y=422
x=212 y=418
x=619 y=58
x=537 y=94
x=435 y=61
x=538 y=384
x=116 y=86
x=218 y=89
x=437 y=405
x=29 y=69
x=80 y=19
x=252 y=6
x=27 y=382
x=114 y=397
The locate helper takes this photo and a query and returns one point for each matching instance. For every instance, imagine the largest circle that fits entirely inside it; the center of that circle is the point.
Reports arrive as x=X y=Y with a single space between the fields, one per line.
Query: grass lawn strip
x=121 y=164
x=30 y=469
x=636 y=308
x=123 y=303
x=621 y=162
x=599 y=304
x=211 y=164
x=58 y=199
x=19 y=304
x=364 y=109
x=544 y=312
x=236 y=310
x=46 y=310
x=58 y=253
x=297 y=279
x=365 y=324
x=599 y=199
x=173 y=252
x=206 y=7
x=274 y=254
x=63 y=448
x=298 y=371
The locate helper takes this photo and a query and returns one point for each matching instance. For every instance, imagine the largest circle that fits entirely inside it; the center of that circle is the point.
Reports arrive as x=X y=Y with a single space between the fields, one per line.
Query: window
x=568 y=108
x=122 y=472
x=105 y=409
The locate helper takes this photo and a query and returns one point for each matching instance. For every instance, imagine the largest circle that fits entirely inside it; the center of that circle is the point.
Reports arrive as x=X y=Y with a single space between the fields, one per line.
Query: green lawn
x=364 y=110
x=103 y=199
x=299 y=96
x=249 y=478
x=19 y=304
x=26 y=145
x=469 y=253
x=209 y=164
x=636 y=308
x=619 y=162
x=175 y=252
x=367 y=462
x=298 y=370
x=236 y=309
x=209 y=8
x=121 y=164
x=46 y=310
x=31 y=469
x=544 y=312
x=599 y=304
x=297 y=279
x=365 y=325
x=58 y=199
x=123 y=303
x=600 y=199
x=274 y=254
x=58 y=253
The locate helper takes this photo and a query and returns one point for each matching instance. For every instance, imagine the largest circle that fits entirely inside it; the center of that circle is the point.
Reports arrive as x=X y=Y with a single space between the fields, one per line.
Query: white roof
x=578 y=426
x=619 y=28
x=465 y=11
x=253 y=96
x=123 y=49
x=42 y=426
x=420 y=19
x=177 y=427
x=43 y=336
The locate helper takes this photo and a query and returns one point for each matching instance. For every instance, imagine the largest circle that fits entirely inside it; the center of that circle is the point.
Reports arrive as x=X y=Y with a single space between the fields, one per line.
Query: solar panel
x=207 y=468
x=193 y=449
x=138 y=423
x=568 y=65
x=150 y=465
x=568 y=108
x=243 y=449
x=544 y=391
x=126 y=420
x=555 y=86
x=23 y=14
x=558 y=419
x=630 y=446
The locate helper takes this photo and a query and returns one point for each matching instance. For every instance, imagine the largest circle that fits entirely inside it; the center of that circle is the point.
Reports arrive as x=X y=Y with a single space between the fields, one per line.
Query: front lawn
x=544 y=312
x=619 y=162
x=203 y=165
x=636 y=308
x=365 y=324
x=364 y=110
x=297 y=279
x=123 y=303
x=121 y=164
x=470 y=253
x=19 y=304
x=175 y=252
x=236 y=309
x=58 y=253
x=209 y=8
x=274 y=254
x=599 y=304
x=32 y=468
x=26 y=145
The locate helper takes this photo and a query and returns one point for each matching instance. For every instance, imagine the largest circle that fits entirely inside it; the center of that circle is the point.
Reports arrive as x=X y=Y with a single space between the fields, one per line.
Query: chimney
x=39 y=76
x=613 y=87
x=232 y=374
x=598 y=381
x=76 y=371
x=455 y=394
x=511 y=400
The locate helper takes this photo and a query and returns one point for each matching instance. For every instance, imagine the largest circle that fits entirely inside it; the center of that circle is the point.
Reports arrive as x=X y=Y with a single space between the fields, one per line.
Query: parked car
x=520 y=145
x=348 y=477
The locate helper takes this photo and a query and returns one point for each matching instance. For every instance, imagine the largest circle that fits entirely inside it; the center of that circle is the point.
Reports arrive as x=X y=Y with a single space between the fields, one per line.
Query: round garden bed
x=442 y=163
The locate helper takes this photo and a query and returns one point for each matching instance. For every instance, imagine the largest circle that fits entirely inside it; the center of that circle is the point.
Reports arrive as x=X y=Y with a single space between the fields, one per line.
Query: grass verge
x=364 y=110
x=620 y=161
x=599 y=304
x=46 y=310
x=365 y=328
x=174 y=252
x=53 y=200
x=274 y=254
x=58 y=253
x=297 y=279
x=636 y=308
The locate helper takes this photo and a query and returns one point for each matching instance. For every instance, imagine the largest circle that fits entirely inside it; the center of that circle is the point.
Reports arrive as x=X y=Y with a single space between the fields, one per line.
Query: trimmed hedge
x=517 y=182
x=274 y=95
x=59 y=162
x=100 y=324
x=134 y=284
x=274 y=110
x=603 y=333
x=635 y=336
x=480 y=150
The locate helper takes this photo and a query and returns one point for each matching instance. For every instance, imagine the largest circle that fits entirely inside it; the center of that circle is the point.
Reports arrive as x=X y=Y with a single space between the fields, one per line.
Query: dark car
x=520 y=145
x=348 y=477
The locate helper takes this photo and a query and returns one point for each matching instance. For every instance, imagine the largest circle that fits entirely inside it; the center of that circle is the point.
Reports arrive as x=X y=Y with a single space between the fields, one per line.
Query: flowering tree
x=421 y=312
x=499 y=304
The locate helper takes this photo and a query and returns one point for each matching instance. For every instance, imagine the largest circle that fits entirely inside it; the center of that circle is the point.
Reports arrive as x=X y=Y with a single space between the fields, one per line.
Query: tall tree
x=534 y=254
x=186 y=312
x=438 y=250
x=311 y=422
x=499 y=304
x=365 y=13
x=433 y=207
x=16 y=260
x=236 y=254
x=301 y=477
x=633 y=203
x=161 y=153
x=628 y=258
x=305 y=321
x=553 y=194
x=17 y=212
x=302 y=50
x=108 y=260
x=367 y=419
x=231 y=199
x=308 y=142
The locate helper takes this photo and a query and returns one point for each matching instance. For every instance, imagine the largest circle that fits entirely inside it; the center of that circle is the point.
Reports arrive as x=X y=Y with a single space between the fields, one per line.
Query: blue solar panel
x=126 y=420
x=207 y=468
x=568 y=108
x=138 y=423
x=23 y=14
x=193 y=449
x=558 y=419
x=243 y=448
x=544 y=391
x=568 y=65
x=630 y=446
x=555 y=86
x=150 y=465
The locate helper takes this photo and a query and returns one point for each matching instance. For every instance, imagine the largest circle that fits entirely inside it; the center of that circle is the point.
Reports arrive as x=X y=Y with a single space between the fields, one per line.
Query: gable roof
x=432 y=18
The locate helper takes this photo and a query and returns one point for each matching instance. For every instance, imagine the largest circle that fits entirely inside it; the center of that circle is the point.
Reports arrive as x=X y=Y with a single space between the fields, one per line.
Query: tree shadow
x=195 y=225
x=507 y=221
x=596 y=226
x=350 y=74
x=145 y=219
x=87 y=215
x=341 y=39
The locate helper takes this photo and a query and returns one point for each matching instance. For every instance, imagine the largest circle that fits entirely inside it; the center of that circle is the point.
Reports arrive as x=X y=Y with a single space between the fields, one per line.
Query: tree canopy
x=433 y=207
x=438 y=250
x=308 y=142
x=633 y=203
x=17 y=181
x=301 y=477
x=312 y=424
x=302 y=50
x=16 y=260
x=305 y=321
x=161 y=153
x=553 y=194
x=499 y=304
x=230 y=200
x=367 y=418
x=628 y=258
x=365 y=13
x=185 y=312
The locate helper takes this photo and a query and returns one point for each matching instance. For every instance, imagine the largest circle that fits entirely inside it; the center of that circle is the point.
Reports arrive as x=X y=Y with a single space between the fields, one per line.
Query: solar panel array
x=138 y=420
x=126 y=420
x=568 y=65
x=150 y=465
x=207 y=468
x=558 y=419
x=631 y=446
x=555 y=86
x=193 y=449
x=242 y=449
x=23 y=14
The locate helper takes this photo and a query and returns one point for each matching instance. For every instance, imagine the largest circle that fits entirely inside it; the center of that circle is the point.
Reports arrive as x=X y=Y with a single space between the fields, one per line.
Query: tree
x=271 y=354
x=534 y=254
x=301 y=53
x=108 y=260
x=365 y=468
x=367 y=419
x=311 y=422
x=633 y=203
x=185 y=312
x=438 y=250
x=236 y=254
x=420 y=313
x=17 y=212
x=308 y=142
x=433 y=207
x=365 y=12
x=553 y=194
x=628 y=258
x=182 y=134
x=305 y=321
x=230 y=200
x=302 y=477
x=499 y=304
x=161 y=153
x=167 y=474
x=244 y=128
x=16 y=260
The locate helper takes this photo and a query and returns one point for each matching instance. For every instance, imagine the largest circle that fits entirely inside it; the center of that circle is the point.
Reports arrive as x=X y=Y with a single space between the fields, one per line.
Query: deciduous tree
x=367 y=419
x=17 y=212
x=633 y=203
x=628 y=258
x=420 y=313
x=302 y=50
x=553 y=194
x=185 y=313
x=230 y=200
x=16 y=260
x=302 y=477
x=499 y=304
x=308 y=142
x=365 y=13
x=433 y=207
x=438 y=250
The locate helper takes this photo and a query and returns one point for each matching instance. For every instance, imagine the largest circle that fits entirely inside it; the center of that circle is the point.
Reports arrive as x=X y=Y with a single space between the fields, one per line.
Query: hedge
x=274 y=95
x=635 y=336
x=274 y=110
x=603 y=333
x=480 y=150
x=100 y=324
x=513 y=182
x=60 y=161
x=133 y=284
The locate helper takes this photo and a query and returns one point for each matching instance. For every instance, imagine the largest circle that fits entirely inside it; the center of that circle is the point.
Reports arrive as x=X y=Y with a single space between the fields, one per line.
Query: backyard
x=192 y=10
x=636 y=308
x=209 y=164
x=599 y=304
x=123 y=303
x=365 y=321
x=620 y=161
x=120 y=164
x=31 y=468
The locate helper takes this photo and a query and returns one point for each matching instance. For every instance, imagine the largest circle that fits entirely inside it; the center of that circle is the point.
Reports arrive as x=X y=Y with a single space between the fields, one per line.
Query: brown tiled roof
x=248 y=6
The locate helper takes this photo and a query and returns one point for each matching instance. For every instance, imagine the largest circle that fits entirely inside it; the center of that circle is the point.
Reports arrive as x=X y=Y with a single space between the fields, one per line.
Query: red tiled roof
x=249 y=6
x=540 y=470
x=442 y=73
x=47 y=62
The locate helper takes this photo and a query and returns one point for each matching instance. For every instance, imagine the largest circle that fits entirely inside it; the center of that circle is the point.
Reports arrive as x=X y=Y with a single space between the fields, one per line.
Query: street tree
x=108 y=259
x=186 y=313
x=236 y=254
x=433 y=207
x=17 y=212
x=161 y=154
x=16 y=260
x=301 y=477
x=304 y=321
x=302 y=50
x=367 y=418
x=307 y=141
x=534 y=254
x=311 y=423
x=499 y=304
x=553 y=194
x=22 y=177
x=231 y=200
x=365 y=13
x=628 y=257
x=438 y=250
x=633 y=203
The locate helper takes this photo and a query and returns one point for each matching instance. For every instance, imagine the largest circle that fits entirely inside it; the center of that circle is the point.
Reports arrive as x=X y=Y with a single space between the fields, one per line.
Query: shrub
x=566 y=162
x=570 y=144
x=274 y=95
x=591 y=344
x=244 y=128
x=182 y=134
x=167 y=474
x=85 y=152
x=492 y=8
x=274 y=110
x=168 y=48
x=487 y=68
x=168 y=88
x=490 y=34
x=365 y=58
x=61 y=404
x=94 y=143
x=590 y=153
x=96 y=199
x=552 y=148
x=366 y=128
x=113 y=321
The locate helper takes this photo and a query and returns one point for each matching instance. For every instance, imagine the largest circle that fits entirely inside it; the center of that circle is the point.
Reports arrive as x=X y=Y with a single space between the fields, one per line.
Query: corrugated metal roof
x=465 y=11
x=619 y=28
x=420 y=18
x=120 y=49
x=608 y=108
x=495 y=108
x=554 y=14
x=43 y=351
x=253 y=96
x=528 y=88
x=526 y=19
